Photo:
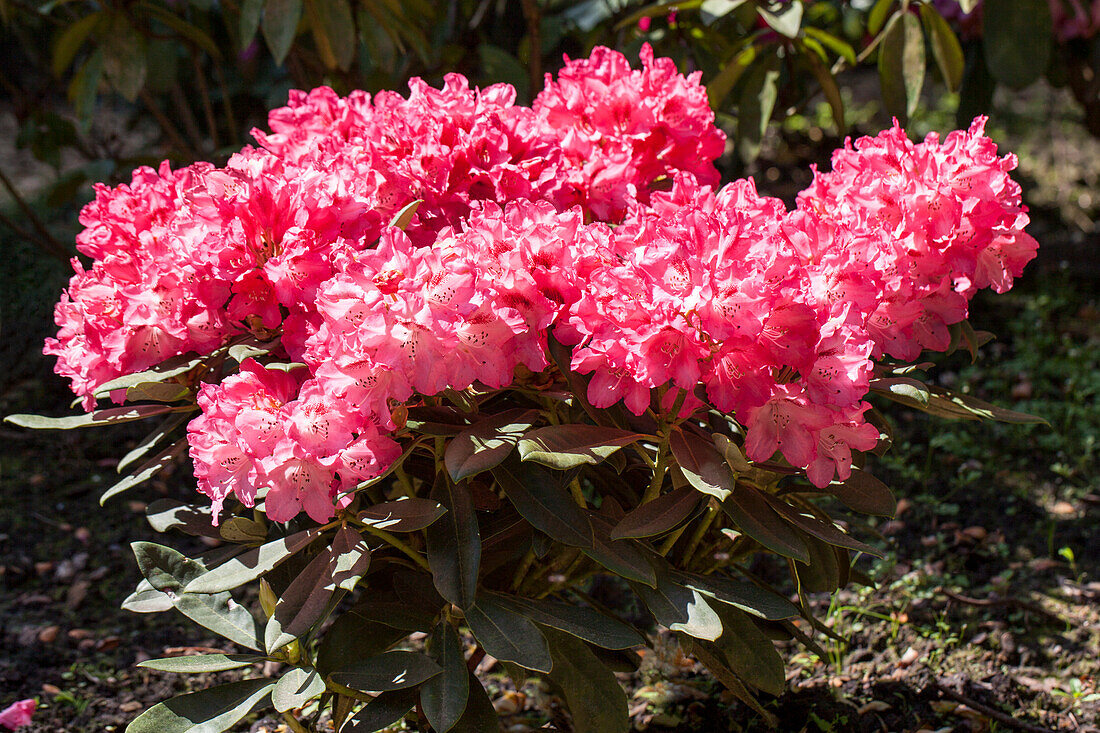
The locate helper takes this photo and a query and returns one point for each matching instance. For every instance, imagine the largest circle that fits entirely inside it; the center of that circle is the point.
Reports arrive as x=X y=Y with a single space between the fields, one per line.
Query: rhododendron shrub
x=438 y=360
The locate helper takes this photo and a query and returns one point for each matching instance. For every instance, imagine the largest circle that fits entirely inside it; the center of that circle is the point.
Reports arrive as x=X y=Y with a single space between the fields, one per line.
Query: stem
x=674 y=413
x=403 y=479
x=521 y=571
x=642 y=452
x=347 y=691
x=659 y=469
x=700 y=532
x=397 y=544
x=293 y=723
x=671 y=540
x=578 y=495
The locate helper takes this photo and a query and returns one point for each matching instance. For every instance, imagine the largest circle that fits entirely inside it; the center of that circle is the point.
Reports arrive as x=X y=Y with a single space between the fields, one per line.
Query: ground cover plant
x=492 y=352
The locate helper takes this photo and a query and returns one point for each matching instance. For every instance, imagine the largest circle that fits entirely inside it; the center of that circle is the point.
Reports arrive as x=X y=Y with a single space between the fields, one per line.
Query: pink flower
x=17 y=714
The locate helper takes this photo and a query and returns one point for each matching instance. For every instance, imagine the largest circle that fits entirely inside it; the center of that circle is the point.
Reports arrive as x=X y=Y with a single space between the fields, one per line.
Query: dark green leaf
x=507 y=635
x=207 y=711
x=784 y=18
x=876 y=19
x=190 y=32
x=749 y=652
x=82 y=94
x=381 y=712
x=280 y=25
x=151 y=440
x=822 y=573
x=568 y=446
x=124 y=60
x=499 y=65
x=403 y=515
x=710 y=657
x=987 y=411
x=354 y=636
x=109 y=416
x=595 y=698
x=165 y=568
x=830 y=89
x=746 y=596
x=242 y=530
x=680 y=608
x=443 y=698
x=480 y=715
x=733 y=454
x=1016 y=35
x=486 y=443
x=194 y=663
x=157 y=392
x=837 y=45
x=222 y=615
x=394 y=670
x=759 y=92
x=252 y=564
x=901 y=65
x=542 y=498
x=147 y=599
x=168 y=571
x=295 y=688
x=304 y=601
x=580 y=621
x=147 y=470
x=864 y=493
x=945 y=46
x=752 y=515
x=250 y=21
x=334 y=31
x=71 y=39
x=403 y=218
x=825 y=531
x=703 y=466
x=619 y=556
x=166 y=514
x=906 y=387
x=726 y=79
x=661 y=515
x=454 y=544
x=712 y=10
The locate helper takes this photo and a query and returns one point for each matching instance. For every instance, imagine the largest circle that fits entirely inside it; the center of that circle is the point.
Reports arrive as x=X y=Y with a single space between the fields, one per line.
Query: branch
x=534 y=25
x=46 y=240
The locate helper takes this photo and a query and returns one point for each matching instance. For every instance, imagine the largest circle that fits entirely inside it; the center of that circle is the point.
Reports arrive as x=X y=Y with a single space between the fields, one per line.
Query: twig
x=179 y=100
x=395 y=543
x=204 y=95
x=1015 y=602
x=987 y=711
x=293 y=723
x=534 y=62
x=166 y=125
x=49 y=242
x=230 y=118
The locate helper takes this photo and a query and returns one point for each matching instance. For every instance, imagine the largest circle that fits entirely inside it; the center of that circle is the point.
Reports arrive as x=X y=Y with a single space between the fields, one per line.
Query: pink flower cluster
x=591 y=215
